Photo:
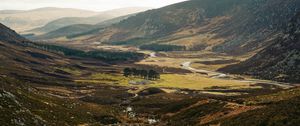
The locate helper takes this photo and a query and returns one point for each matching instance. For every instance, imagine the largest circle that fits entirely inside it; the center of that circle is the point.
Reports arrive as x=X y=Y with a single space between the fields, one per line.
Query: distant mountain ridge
x=10 y=11
x=77 y=30
x=101 y=16
x=22 y=20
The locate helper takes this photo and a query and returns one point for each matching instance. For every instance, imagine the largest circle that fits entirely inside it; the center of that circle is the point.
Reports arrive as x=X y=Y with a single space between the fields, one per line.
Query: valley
x=98 y=90
x=193 y=63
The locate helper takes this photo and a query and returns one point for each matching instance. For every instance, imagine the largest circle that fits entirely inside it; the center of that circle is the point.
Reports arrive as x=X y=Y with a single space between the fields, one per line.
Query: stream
x=213 y=74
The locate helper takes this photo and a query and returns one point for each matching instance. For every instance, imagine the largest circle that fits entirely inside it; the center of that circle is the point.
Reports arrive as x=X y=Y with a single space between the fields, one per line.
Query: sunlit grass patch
x=197 y=82
x=70 y=70
x=103 y=78
x=187 y=81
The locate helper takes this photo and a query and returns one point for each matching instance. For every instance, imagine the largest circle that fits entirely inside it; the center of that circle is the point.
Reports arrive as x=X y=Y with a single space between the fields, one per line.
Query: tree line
x=163 y=47
x=98 y=54
x=145 y=74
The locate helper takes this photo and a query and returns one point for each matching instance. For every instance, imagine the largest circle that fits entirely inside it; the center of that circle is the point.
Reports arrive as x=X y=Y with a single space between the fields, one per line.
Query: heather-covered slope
x=26 y=69
x=21 y=66
x=9 y=35
x=280 y=61
x=21 y=58
x=230 y=26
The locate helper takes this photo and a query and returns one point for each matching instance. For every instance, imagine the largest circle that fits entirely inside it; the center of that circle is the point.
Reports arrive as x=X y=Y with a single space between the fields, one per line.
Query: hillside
x=100 y=17
x=230 y=26
x=279 y=61
x=29 y=19
x=21 y=60
x=18 y=64
x=64 y=31
x=28 y=69
x=9 y=35
x=76 y=30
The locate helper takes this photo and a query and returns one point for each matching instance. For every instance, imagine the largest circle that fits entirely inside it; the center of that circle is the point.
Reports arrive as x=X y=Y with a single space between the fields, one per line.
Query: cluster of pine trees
x=150 y=75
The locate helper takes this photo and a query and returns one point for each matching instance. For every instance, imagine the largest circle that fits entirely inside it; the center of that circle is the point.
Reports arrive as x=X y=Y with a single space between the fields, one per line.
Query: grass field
x=171 y=80
x=182 y=81
x=70 y=70
x=197 y=82
x=102 y=78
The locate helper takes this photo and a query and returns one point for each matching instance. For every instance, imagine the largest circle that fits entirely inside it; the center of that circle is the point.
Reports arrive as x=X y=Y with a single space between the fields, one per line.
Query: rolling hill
x=10 y=11
x=228 y=26
x=25 y=20
x=70 y=20
x=76 y=30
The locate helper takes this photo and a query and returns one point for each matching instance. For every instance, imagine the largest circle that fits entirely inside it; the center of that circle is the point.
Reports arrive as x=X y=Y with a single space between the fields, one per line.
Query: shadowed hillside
x=280 y=61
